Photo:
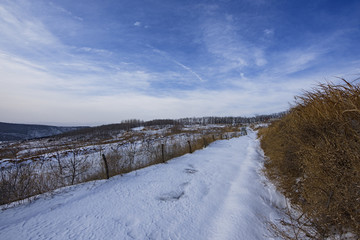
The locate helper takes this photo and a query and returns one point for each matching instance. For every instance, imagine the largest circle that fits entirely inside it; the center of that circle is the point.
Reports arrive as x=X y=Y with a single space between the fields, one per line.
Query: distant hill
x=12 y=131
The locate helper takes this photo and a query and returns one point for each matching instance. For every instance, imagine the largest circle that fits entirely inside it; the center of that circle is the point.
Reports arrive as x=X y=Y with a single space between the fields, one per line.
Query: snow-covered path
x=215 y=193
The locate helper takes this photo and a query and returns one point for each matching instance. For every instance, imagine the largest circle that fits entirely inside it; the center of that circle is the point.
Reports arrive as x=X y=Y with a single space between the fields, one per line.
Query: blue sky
x=93 y=62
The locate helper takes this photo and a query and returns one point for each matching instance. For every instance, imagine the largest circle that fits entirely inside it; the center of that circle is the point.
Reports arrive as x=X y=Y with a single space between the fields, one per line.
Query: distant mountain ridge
x=14 y=131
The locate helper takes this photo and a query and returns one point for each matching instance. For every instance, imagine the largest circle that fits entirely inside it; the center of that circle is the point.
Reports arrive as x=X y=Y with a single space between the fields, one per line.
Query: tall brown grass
x=313 y=155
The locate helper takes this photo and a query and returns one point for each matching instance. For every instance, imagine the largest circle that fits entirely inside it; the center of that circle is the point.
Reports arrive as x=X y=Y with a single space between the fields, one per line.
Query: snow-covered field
x=215 y=193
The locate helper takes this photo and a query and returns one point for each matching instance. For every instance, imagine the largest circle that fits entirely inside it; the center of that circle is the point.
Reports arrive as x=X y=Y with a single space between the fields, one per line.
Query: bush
x=314 y=157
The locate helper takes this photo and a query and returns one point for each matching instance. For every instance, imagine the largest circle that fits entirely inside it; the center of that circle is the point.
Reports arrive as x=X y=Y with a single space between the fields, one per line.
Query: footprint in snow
x=190 y=170
x=174 y=195
x=171 y=196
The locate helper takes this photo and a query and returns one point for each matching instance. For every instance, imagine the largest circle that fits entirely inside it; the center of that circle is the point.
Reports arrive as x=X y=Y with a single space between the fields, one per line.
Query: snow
x=138 y=128
x=215 y=193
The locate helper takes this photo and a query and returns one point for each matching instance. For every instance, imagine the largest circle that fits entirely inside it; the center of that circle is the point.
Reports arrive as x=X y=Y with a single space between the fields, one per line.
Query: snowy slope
x=215 y=193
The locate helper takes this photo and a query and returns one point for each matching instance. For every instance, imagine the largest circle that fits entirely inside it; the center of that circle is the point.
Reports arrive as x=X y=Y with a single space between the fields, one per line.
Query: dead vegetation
x=313 y=155
x=40 y=166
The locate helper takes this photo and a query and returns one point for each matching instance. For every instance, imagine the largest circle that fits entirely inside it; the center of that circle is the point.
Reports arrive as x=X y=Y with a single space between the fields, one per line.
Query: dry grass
x=70 y=163
x=314 y=157
x=22 y=181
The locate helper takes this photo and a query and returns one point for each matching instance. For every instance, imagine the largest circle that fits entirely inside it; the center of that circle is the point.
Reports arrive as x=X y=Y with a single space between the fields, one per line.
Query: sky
x=92 y=62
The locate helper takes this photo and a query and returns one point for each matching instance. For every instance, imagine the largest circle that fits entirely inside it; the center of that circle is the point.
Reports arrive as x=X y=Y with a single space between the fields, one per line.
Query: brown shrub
x=314 y=157
x=22 y=181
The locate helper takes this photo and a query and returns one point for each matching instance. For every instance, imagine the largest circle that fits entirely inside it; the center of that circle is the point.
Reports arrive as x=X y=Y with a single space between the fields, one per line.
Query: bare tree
x=16 y=182
x=150 y=149
x=130 y=150
x=76 y=165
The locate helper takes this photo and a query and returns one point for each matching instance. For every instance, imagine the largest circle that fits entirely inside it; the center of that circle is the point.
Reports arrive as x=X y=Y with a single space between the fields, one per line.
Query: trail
x=215 y=193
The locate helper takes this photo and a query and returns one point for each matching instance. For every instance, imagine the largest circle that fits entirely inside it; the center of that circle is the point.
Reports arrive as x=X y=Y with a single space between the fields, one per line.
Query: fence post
x=190 y=151
x=162 y=152
x=106 y=166
x=205 y=143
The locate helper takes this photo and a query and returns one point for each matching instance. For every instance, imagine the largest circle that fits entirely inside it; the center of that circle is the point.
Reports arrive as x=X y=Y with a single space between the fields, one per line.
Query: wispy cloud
x=190 y=70
x=230 y=58
x=269 y=32
x=226 y=43
x=23 y=32
x=61 y=9
x=28 y=43
x=166 y=55
x=294 y=61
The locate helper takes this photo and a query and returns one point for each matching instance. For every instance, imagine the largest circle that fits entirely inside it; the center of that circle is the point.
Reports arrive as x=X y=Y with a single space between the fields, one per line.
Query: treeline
x=106 y=131
x=229 y=120
x=132 y=123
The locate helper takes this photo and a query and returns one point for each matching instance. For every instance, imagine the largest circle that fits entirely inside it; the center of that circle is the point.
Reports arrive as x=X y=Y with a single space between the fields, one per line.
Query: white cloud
x=63 y=10
x=23 y=31
x=294 y=61
x=166 y=55
x=30 y=94
x=190 y=70
x=33 y=93
x=259 y=57
x=134 y=79
x=224 y=41
x=269 y=32
x=43 y=79
x=96 y=51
